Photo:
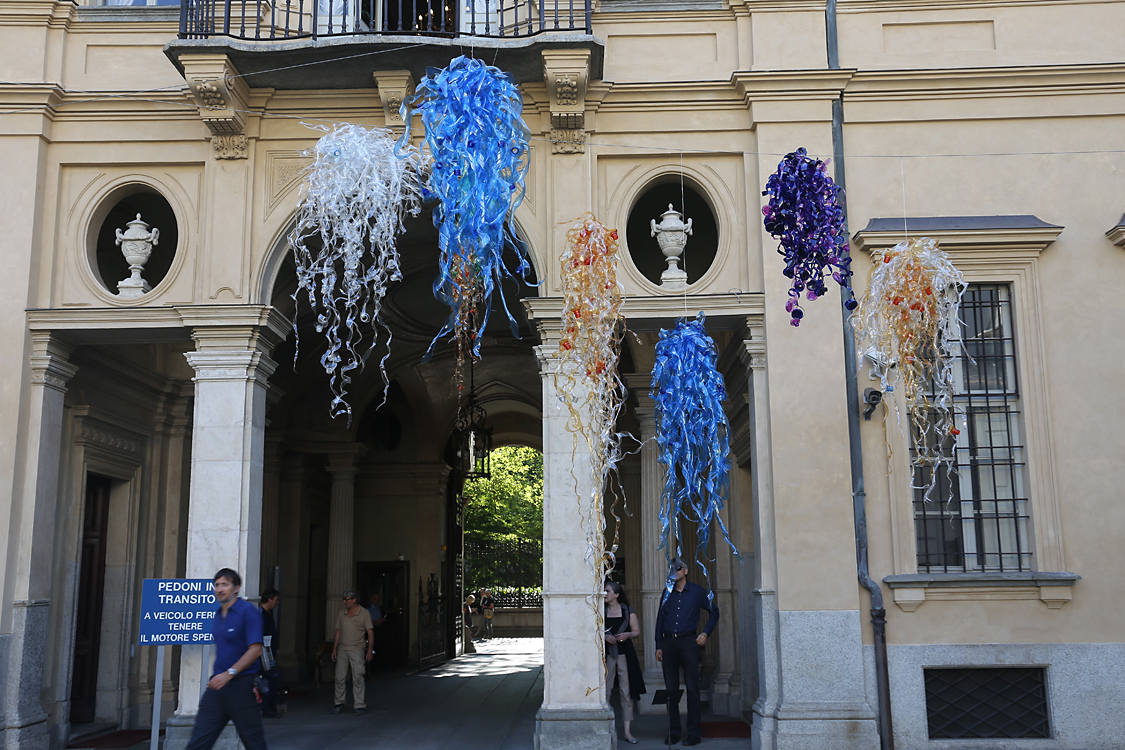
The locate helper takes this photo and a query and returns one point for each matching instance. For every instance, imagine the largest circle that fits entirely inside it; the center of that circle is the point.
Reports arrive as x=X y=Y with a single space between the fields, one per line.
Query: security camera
x=872 y=397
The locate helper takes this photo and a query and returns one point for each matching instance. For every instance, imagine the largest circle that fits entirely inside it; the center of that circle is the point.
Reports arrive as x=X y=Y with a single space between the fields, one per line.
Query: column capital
x=233 y=341
x=753 y=354
x=49 y=361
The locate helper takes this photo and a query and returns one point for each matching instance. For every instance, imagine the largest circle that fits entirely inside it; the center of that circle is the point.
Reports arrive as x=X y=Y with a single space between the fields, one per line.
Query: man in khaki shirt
x=352 y=624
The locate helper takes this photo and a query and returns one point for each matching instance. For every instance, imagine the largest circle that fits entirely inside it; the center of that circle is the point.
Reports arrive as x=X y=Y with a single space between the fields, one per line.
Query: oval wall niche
x=702 y=245
x=109 y=265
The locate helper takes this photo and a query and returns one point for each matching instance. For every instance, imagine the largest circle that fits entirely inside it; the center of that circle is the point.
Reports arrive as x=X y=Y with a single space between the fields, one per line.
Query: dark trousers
x=683 y=653
x=273 y=681
x=235 y=702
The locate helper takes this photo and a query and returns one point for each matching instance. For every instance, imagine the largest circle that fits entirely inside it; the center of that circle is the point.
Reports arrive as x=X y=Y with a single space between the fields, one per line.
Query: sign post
x=174 y=612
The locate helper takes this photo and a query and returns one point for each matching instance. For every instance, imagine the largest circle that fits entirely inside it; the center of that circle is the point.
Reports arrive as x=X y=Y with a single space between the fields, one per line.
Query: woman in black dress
x=622 y=665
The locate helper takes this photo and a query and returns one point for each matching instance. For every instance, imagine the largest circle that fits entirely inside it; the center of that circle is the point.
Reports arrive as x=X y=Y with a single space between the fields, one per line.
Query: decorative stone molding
x=1000 y=236
x=566 y=73
x=1117 y=234
x=229 y=146
x=222 y=96
x=912 y=590
x=394 y=88
x=565 y=141
x=49 y=365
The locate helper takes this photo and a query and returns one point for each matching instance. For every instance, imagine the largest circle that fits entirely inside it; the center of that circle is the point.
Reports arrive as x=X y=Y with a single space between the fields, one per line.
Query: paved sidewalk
x=482 y=701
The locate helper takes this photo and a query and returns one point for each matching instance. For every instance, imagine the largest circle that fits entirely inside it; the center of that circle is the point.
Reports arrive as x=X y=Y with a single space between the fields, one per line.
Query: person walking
x=353 y=624
x=375 y=609
x=621 y=627
x=230 y=693
x=678 y=646
x=488 y=609
x=271 y=671
x=467 y=611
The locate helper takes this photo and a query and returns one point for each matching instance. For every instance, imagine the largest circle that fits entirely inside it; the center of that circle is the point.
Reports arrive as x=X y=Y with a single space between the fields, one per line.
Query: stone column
x=341 y=539
x=293 y=549
x=231 y=366
x=271 y=499
x=654 y=566
x=32 y=533
x=765 y=574
x=575 y=714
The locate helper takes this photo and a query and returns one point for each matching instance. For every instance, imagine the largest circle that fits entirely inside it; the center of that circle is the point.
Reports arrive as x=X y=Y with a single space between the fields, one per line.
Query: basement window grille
x=976 y=518
x=984 y=703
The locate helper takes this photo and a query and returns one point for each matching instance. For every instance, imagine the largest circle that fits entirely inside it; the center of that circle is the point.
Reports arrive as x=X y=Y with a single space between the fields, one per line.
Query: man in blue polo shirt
x=230 y=694
x=677 y=645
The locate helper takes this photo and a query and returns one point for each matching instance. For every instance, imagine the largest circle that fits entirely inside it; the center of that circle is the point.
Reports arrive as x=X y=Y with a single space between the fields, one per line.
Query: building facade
x=172 y=431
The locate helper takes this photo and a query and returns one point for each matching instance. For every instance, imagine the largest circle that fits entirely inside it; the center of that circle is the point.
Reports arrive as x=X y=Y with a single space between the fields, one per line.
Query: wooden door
x=91 y=586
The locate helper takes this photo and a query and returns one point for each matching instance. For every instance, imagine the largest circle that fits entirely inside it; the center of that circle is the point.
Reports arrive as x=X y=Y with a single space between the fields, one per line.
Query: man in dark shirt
x=230 y=694
x=269 y=654
x=678 y=646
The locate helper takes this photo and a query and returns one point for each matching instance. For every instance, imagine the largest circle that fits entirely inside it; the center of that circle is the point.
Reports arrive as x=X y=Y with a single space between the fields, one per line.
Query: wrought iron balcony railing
x=266 y=20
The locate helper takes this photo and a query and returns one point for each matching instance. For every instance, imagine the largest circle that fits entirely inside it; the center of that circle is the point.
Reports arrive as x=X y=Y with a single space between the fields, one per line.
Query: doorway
x=91 y=590
x=388 y=580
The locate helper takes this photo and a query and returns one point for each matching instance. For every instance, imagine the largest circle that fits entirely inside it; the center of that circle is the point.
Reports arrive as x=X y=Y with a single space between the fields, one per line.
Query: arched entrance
x=376 y=504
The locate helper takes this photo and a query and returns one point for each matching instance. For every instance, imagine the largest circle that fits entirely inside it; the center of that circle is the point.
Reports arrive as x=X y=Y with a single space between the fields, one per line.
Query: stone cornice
x=49 y=361
x=896 y=6
x=959 y=83
x=720 y=308
x=1027 y=241
x=57 y=15
x=100 y=318
x=1117 y=234
x=791 y=85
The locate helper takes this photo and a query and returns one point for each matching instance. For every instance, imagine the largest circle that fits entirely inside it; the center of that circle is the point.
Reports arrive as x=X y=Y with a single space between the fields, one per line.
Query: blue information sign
x=177 y=611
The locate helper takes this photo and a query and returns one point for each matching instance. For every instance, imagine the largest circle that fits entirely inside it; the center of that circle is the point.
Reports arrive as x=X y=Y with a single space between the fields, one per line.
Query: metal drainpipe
x=851 y=367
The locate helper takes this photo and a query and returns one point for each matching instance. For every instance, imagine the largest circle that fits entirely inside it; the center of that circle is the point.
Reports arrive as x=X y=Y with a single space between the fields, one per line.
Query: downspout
x=855 y=445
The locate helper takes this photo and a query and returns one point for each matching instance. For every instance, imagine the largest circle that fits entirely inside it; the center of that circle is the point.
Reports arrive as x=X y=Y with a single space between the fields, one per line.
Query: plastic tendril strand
x=692 y=437
x=911 y=313
x=358 y=189
x=805 y=215
x=588 y=381
x=479 y=143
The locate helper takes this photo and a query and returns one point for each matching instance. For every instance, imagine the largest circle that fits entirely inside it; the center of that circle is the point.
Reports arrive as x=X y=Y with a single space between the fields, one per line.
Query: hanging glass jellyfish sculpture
x=911 y=314
x=588 y=381
x=805 y=215
x=478 y=141
x=357 y=191
x=692 y=436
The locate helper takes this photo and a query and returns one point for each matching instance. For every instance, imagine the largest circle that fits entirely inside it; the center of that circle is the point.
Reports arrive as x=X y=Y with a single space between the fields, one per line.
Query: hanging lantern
x=474 y=437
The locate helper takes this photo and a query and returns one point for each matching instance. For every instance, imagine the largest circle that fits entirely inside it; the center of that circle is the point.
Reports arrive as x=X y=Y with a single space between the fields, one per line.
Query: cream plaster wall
x=1019 y=81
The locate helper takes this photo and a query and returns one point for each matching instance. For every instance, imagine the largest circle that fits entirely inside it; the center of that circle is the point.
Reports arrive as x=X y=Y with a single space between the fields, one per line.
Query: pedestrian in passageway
x=677 y=620
x=231 y=694
x=622 y=665
x=352 y=649
x=488 y=609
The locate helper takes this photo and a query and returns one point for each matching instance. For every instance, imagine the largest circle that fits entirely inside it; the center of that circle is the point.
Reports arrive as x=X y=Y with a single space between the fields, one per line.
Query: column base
x=564 y=729
x=177 y=734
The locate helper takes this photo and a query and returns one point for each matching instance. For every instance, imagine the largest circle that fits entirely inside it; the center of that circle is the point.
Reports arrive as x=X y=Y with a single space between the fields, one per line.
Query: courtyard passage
x=481 y=701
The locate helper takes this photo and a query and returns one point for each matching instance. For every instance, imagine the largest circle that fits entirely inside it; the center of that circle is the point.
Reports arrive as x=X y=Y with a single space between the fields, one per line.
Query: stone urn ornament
x=672 y=234
x=136 y=245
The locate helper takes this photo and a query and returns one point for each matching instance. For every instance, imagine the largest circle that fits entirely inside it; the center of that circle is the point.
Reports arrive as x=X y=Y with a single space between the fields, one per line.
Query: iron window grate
x=987 y=703
x=977 y=517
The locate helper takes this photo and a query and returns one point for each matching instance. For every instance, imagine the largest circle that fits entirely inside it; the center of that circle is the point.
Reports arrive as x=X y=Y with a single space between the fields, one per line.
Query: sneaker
x=338 y=708
x=360 y=711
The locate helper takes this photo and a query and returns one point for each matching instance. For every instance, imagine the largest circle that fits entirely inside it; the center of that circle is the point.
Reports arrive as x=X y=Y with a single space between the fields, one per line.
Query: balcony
x=338 y=44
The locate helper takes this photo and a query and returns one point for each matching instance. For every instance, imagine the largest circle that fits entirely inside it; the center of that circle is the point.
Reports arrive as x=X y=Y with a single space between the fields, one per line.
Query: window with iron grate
x=1005 y=702
x=976 y=519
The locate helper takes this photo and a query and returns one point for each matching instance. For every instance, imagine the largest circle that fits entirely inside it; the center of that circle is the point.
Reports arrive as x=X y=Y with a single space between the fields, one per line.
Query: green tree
x=509 y=505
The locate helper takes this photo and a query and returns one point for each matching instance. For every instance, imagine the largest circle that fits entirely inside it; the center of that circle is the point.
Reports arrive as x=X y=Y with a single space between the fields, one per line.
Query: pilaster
x=341 y=537
x=35 y=499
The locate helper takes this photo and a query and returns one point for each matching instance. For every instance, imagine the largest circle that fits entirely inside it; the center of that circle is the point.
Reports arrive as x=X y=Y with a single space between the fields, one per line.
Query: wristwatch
x=232 y=672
